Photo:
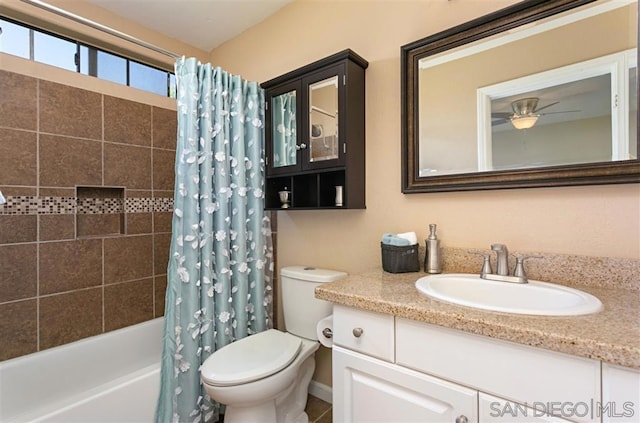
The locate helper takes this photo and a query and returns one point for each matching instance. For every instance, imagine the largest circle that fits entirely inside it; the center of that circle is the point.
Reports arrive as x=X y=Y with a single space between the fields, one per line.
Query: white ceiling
x=204 y=24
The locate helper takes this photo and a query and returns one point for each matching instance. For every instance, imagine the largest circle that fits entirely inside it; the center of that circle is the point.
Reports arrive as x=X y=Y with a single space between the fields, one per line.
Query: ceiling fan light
x=524 y=122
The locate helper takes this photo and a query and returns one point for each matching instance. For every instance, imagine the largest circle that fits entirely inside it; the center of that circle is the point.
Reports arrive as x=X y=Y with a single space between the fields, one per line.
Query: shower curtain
x=220 y=265
x=284 y=122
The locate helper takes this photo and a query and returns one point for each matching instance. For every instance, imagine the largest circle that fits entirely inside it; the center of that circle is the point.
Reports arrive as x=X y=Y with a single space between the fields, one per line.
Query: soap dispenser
x=432 y=259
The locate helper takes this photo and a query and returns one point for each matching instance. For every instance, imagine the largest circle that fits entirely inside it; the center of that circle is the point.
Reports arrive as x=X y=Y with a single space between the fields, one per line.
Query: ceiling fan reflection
x=525 y=113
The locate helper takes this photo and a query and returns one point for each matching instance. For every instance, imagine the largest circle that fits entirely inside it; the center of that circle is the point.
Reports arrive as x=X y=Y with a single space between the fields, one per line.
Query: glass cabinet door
x=323 y=120
x=284 y=130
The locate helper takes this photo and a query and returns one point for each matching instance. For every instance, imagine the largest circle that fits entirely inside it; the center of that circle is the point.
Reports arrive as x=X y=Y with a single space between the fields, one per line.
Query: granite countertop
x=611 y=335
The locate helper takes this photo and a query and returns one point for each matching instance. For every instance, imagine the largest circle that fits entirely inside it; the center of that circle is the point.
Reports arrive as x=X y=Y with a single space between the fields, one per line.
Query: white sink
x=535 y=297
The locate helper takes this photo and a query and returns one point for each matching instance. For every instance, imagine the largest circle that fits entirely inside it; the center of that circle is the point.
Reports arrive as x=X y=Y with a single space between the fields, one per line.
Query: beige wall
x=588 y=220
x=592 y=220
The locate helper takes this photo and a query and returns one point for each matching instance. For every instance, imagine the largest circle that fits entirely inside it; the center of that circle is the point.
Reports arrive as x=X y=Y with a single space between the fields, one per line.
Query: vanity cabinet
x=368 y=387
x=527 y=383
x=315 y=135
x=620 y=394
x=435 y=374
x=372 y=390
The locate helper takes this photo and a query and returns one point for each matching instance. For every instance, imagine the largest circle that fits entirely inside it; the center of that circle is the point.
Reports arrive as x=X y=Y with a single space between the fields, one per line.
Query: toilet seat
x=252 y=358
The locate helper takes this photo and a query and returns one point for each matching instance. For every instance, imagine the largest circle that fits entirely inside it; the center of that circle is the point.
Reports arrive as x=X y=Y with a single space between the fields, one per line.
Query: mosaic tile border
x=146 y=205
x=99 y=205
x=31 y=205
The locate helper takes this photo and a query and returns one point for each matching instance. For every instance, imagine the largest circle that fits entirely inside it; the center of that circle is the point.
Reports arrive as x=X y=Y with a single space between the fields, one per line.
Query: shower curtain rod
x=100 y=27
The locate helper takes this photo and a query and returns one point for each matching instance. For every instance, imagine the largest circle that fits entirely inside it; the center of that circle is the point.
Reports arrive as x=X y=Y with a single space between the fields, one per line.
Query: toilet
x=265 y=377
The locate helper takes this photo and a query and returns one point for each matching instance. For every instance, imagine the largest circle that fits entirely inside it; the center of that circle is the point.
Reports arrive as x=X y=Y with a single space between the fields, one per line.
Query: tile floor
x=318 y=410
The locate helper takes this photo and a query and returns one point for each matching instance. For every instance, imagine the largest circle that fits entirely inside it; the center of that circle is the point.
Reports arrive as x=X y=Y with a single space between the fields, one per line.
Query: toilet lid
x=251 y=358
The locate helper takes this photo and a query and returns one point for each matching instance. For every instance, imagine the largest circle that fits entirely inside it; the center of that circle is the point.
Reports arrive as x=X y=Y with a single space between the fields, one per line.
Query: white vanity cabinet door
x=516 y=372
x=497 y=410
x=364 y=331
x=369 y=390
x=620 y=394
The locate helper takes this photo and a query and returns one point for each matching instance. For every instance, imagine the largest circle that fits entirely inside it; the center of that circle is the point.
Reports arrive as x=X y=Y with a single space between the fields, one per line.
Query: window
x=147 y=78
x=54 y=51
x=33 y=44
x=172 y=85
x=14 y=39
x=108 y=66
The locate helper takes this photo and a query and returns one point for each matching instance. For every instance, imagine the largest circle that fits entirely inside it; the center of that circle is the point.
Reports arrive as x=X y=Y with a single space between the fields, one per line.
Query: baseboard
x=321 y=391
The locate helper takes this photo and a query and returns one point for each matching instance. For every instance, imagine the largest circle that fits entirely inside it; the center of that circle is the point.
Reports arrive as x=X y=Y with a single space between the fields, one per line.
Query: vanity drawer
x=364 y=331
x=515 y=372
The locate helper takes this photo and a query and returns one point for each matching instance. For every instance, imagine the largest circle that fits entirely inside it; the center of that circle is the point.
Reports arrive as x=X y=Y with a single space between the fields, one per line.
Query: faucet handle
x=486 y=262
x=519 y=269
x=486 y=266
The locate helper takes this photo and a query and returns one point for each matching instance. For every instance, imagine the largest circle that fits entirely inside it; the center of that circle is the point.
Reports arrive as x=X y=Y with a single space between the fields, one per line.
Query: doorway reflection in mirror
x=323 y=120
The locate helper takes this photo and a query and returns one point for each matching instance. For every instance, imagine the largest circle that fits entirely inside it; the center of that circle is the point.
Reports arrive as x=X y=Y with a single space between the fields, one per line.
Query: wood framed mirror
x=541 y=93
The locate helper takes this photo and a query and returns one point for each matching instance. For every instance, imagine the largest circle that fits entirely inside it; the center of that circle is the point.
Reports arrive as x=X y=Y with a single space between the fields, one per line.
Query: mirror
x=284 y=129
x=537 y=94
x=323 y=120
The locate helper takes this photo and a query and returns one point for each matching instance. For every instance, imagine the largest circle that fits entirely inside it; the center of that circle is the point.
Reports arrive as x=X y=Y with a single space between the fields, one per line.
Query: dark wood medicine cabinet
x=315 y=135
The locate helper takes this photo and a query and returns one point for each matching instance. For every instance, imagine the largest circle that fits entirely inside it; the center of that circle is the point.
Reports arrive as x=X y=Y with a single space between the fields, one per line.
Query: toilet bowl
x=255 y=400
x=265 y=377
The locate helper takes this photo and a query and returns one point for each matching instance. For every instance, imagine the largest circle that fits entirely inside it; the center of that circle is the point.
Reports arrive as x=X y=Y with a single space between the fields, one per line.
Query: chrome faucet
x=502 y=259
x=502 y=272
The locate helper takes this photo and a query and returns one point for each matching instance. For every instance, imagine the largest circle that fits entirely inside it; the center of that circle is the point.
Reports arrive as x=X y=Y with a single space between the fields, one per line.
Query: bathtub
x=113 y=377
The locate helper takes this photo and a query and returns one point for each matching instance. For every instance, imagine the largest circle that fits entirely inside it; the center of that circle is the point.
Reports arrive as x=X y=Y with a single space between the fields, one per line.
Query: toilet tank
x=302 y=310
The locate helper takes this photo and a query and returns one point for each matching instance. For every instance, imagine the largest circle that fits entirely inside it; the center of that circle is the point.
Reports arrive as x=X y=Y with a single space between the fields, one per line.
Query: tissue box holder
x=400 y=259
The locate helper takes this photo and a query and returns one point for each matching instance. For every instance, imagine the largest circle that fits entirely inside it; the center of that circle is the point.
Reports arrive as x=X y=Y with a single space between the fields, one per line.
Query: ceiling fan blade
x=544 y=107
x=499 y=122
x=501 y=115
x=563 y=111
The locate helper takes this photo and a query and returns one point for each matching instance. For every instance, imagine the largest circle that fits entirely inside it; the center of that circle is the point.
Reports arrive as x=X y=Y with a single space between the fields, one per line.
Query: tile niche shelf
x=315 y=135
x=100 y=211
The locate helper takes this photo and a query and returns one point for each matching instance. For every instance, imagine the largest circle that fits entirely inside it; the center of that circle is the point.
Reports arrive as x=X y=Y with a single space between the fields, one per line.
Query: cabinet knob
x=327 y=333
x=303 y=146
x=462 y=419
x=357 y=332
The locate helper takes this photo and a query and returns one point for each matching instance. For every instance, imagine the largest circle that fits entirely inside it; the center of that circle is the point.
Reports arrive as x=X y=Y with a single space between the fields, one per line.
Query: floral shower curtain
x=220 y=264
x=284 y=122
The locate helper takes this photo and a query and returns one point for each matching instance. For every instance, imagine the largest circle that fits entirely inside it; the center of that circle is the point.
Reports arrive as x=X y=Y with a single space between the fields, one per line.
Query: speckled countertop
x=611 y=335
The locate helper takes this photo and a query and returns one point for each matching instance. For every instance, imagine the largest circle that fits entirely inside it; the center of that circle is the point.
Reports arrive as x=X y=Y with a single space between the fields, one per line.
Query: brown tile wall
x=55 y=286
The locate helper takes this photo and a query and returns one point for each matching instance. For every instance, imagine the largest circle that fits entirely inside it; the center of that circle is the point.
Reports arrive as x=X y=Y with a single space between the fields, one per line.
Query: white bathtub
x=109 y=378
